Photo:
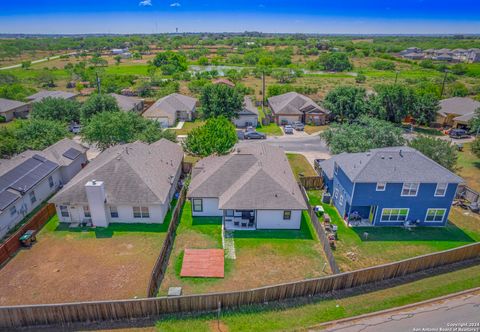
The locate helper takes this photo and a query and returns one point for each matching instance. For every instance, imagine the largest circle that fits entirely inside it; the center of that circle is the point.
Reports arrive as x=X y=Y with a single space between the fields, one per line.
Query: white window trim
x=435 y=221
x=384 y=186
x=66 y=209
x=416 y=192
x=201 y=204
x=406 y=217
x=335 y=193
x=340 y=201
x=444 y=192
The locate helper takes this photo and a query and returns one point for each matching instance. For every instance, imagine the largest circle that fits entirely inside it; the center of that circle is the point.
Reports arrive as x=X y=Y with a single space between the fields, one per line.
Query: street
x=460 y=313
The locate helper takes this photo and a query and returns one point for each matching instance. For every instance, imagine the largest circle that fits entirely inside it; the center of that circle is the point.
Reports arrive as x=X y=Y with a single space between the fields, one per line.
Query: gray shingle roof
x=257 y=176
x=52 y=94
x=126 y=103
x=169 y=105
x=56 y=151
x=248 y=107
x=458 y=106
x=293 y=103
x=8 y=105
x=135 y=173
x=394 y=164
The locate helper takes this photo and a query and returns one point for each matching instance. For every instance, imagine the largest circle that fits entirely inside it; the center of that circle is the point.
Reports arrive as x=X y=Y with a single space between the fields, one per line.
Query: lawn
x=272 y=129
x=68 y=265
x=140 y=69
x=469 y=167
x=389 y=244
x=314 y=129
x=300 y=165
x=188 y=127
x=279 y=253
x=301 y=314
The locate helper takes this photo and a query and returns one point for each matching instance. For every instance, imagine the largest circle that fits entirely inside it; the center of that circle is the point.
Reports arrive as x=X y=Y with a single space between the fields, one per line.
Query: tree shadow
x=197 y=221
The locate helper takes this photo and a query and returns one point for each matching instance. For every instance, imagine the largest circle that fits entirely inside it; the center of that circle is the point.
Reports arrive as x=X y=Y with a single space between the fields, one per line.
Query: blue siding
x=345 y=189
x=328 y=182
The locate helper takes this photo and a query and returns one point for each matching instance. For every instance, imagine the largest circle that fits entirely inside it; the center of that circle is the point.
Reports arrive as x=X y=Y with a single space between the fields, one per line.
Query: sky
x=294 y=16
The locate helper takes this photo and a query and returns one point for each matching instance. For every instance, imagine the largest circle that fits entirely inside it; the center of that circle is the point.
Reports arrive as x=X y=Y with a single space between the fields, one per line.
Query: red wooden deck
x=206 y=263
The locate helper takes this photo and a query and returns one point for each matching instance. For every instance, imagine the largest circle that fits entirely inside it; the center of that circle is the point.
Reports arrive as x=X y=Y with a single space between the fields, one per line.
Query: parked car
x=249 y=129
x=297 y=125
x=288 y=129
x=458 y=133
x=254 y=135
x=75 y=128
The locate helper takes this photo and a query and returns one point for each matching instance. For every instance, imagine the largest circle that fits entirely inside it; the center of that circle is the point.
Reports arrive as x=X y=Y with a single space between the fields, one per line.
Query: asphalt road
x=457 y=314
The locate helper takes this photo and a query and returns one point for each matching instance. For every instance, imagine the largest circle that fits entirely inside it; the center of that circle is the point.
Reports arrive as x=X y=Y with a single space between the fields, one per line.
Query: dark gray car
x=254 y=135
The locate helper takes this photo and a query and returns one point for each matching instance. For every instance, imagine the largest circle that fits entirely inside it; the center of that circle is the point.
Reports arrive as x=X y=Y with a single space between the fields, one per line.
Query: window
x=50 y=181
x=287 y=215
x=335 y=193
x=410 y=189
x=394 y=214
x=64 y=211
x=33 y=199
x=141 y=212
x=13 y=211
x=441 y=189
x=341 y=200
x=197 y=205
x=381 y=186
x=86 y=211
x=229 y=213
x=435 y=215
x=113 y=212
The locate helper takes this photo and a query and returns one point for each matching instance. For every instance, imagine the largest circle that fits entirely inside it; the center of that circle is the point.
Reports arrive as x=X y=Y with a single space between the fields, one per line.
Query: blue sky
x=315 y=16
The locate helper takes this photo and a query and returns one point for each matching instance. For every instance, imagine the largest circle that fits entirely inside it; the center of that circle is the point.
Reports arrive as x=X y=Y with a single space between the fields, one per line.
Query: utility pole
x=443 y=83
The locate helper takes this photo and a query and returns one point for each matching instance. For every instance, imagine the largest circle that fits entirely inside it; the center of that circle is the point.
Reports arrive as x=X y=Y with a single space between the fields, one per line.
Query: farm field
x=67 y=265
x=278 y=253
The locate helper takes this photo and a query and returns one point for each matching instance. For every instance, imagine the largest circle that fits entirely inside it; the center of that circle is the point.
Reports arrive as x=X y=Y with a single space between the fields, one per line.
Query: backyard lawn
x=300 y=165
x=469 y=167
x=68 y=264
x=262 y=257
x=389 y=244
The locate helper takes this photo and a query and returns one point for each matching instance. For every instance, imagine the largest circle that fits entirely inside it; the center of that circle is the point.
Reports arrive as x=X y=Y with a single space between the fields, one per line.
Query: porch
x=361 y=216
x=240 y=220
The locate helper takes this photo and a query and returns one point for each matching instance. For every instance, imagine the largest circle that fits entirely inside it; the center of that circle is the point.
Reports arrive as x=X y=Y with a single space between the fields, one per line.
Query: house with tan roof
x=251 y=188
x=39 y=96
x=13 y=109
x=456 y=112
x=171 y=109
x=292 y=106
x=129 y=183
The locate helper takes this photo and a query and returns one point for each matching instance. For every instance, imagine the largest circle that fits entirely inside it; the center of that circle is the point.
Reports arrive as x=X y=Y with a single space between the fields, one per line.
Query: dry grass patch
x=300 y=165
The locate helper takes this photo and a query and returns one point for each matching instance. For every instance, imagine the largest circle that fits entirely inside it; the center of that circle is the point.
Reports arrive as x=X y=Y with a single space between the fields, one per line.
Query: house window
x=287 y=215
x=335 y=194
x=381 y=186
x=229 y=213
x=113 y=212
x=50 y=181
x=197 y=205
x=13 y=211
x=33 y=199
x=435 y=215
x=394 y=214
x=86 y=212
x=341 y=200
x=141 y=212
x=441 y=189
x=410 y=189
x=64 y=211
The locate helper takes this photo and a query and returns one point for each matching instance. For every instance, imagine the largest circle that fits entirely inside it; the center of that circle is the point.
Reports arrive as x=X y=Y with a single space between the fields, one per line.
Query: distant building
x=248 y=116
x=39 y=96
x=224 y=81
x=456 y=112
x=13 y=109
x=292 y=106
x=414 y=56
x=118 y=51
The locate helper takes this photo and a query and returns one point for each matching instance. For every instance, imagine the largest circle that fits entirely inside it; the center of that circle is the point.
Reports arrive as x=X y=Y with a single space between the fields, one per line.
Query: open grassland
x=75 y=264
x=389 y=244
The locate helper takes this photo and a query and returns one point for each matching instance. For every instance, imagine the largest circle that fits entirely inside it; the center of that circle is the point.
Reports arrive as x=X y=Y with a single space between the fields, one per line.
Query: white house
x=248 y=116
x=31 y=177
x=13 y=109
x=252 y=188
x=130 y=183
x=172 y=108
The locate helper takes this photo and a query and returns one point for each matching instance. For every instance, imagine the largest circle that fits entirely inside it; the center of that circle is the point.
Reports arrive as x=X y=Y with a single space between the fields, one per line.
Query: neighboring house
x=389 y=186
x=248 y=116
x=224 y=81
x=119 y=51
x=456 y=112
x=251 y=188
x=473 y=56
x=414 y=56
x=172 y=108
x=31 y=177
x=39 y=96
x=129 y=104
x=130 y=183
x=443 y=57
x=410 y=50
x=293 y=106
x=12 y=109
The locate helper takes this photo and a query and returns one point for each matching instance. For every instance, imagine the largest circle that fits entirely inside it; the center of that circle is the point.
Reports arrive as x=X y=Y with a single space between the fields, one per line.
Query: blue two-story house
x=390 y=186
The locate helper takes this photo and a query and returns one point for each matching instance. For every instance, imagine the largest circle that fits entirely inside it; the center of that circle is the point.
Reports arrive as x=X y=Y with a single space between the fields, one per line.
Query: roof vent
x=390 y=157
x=383 y=157
x=400 y=153
x=94 y=182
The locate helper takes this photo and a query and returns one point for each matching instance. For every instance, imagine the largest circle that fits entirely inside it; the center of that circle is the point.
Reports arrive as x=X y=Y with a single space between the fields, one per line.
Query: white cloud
x=145 y=3
x=175 y=4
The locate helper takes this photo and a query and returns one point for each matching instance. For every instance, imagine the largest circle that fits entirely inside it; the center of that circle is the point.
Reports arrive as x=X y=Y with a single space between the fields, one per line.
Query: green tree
x=56 y=109
x=360 y=78
x=170 y=62
x=476 y=147
x=46 y=79
x=117 y=59
x=436 y=149
x=336 y=61
x=37 y=134
x=98 y=104
x=346 y=103
x=217 y=136
x=425 y=108
x=383 y=65
x=15 y=91
x=393 y=102
x=26 y=64
x=203 y=61
x=106 y=129
x=365 y=134
x=475 y=122
x=221 y=100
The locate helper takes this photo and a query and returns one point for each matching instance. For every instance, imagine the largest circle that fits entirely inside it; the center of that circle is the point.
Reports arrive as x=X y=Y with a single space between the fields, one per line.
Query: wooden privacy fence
x=12 y=243
x=161 y=263
x=311 y=182
x=322 y=236
x=66 y=313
